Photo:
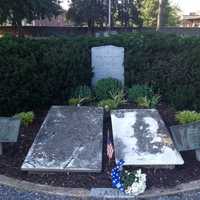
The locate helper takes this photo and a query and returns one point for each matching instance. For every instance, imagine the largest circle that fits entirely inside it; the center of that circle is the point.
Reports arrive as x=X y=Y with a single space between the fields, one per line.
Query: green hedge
x=168 y=63
x=36 y=73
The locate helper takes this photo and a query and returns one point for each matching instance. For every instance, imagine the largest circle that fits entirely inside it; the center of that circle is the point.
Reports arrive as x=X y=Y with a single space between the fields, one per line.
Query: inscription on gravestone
x=186 y=137
x=108 y=61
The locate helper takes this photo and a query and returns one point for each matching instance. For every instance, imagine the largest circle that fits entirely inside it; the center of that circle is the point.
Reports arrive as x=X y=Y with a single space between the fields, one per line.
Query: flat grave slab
x=141 y=138
x=70 y=139
x=186 y=137
x=9 y=129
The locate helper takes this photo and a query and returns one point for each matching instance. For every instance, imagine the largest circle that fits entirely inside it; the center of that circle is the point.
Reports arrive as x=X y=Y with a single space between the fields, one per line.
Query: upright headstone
x=70 y=139
x=108 y=61
x=9 y=130
x=141 y=139
x=187 y=137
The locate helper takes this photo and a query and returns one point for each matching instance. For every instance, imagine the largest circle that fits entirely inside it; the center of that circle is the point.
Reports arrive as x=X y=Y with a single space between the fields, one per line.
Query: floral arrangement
x=131 y=183
x=134 y=182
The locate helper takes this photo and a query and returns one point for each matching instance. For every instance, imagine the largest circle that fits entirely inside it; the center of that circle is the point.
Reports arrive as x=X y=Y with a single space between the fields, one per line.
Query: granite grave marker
x=108 y=61
x=9 y=130
x=186 y=137
x=141 y=139
x=70 y=139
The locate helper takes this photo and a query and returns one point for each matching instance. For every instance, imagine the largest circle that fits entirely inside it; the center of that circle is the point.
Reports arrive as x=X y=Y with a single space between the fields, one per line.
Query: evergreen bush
x=38 y=73
x=106 y=88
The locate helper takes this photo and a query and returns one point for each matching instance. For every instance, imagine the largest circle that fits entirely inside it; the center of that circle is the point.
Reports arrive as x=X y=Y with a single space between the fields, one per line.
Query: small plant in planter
x=143 y=96
x=116 y=100
x=148 y=102
x=186 y=117
x=74 y=101
x=138 y=91
x=107 y=87
x=107 y=104
x=26 y=117
x=82 y=91
x=81 y=95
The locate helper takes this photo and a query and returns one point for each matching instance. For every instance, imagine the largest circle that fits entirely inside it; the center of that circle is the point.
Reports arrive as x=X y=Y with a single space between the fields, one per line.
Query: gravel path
x=7 y=193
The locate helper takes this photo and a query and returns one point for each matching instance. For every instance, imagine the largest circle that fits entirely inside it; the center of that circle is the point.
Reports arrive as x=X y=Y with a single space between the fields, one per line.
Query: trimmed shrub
x=82 y=92
x=73 y=101
x=139 y=91
x=116 y=100
x=148 y=102
x=186 y=117
x=26 y=117
x=106 y=88
x=169 y=63
x=38 y=73
x=108 y=104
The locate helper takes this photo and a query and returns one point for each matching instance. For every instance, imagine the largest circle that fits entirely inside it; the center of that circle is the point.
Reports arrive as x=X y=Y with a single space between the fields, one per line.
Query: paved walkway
x=7 y=193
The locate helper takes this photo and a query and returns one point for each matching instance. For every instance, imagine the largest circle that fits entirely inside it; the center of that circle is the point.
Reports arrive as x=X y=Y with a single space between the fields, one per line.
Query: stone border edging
x=28 y=186
x=85 y=193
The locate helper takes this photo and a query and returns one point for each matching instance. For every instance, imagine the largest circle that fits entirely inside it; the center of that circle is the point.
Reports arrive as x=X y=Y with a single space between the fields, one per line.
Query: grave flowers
x=130 y=182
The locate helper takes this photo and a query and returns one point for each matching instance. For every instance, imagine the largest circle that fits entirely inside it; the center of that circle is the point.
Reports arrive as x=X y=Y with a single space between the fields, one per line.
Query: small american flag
x=110 y=149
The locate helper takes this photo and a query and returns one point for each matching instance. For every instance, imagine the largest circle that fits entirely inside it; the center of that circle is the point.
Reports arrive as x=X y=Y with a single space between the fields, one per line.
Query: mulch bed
x=14 y=155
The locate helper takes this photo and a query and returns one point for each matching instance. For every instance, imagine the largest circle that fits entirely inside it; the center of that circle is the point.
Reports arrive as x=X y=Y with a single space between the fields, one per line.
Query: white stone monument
x=108 y=61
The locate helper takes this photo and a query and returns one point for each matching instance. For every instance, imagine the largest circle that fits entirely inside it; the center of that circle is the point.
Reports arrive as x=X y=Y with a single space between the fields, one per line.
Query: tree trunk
x=126 y=14
x=160 y=20
x=91 y=25
x=18 y=24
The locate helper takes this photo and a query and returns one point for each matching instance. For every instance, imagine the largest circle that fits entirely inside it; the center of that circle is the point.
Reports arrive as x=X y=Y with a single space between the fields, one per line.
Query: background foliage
x=149 y=13
x=126 y=13
x=37 y=73
x=14 y=12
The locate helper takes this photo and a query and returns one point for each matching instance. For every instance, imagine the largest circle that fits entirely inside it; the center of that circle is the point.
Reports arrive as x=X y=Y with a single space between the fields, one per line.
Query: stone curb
x=86 y=193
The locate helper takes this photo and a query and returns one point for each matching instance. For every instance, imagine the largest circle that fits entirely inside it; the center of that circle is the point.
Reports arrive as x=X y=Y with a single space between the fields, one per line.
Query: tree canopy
x=95 y=12
x=125 y=13
x=15 y=12
x=87 y=12
x=149 y=13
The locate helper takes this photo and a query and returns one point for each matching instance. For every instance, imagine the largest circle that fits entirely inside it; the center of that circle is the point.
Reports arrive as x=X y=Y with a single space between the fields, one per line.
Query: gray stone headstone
x=141 y=138
x=9 y=129
x=108 y=61
x=70 y=139
x=186 y=137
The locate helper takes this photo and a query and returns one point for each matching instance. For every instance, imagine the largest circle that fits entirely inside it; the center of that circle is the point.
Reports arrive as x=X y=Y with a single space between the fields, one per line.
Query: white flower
x=137 y=187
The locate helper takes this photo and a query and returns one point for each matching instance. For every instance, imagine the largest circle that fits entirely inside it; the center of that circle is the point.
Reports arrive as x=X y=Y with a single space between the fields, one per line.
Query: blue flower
x=116 y=176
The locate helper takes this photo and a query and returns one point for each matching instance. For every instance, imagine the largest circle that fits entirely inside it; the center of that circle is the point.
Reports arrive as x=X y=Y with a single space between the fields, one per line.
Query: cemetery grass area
x=12 y=159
